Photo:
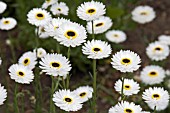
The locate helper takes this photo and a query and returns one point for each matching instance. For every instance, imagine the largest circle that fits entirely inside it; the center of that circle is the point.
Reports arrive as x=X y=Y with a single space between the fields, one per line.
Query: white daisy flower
x=28 y=59
x=100 y=25
x=167 y=72
x=67 y=100
x=40 y=52
x=156 y=96
x=55 y=64
x=7 y=23
x=116 y=36
x=157 y=51
x=130 y=87
x=47 y=3
x=97 y=49
x=38 y=17
x=125 y=107
x=91 y=10
x=59 y=8
x=143 y=14
x=3 y=7
x=53 y=26
x=126 y=61
x=152 y=74
x=84 y=92
x=41 y=32
x=3 y=94
x=71 y=34
x=164 y=39
x=21 y=74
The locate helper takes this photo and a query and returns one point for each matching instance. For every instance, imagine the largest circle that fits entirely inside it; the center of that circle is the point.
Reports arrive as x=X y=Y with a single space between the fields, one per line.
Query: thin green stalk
x=122 y=95
x=15 y=99
x=22 y=100
x=58 y=47
x=64 y=84
x=68 y=76
x=92 y=22
x=154 y=109
x=52 y=89
x=94 y=85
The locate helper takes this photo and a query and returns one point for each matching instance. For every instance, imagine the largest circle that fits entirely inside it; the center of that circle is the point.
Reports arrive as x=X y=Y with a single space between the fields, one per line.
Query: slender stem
x=58 y=47
x=22 y=100
x=92 y=22
x=52 y=107
x=94 y=85
x=154 y=109
x=68 y=76
x=15 y=99
x=64 y=84
x=122 y=95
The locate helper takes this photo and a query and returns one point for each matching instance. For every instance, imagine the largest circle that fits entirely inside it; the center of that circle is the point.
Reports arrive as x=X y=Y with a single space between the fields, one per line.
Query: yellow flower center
x=68 y=100
x=40 y=16
x=158 y=49
x=6 y=22
x=153 y=74
x=20 y=73
x=70 y=34
x=127 y=110
x=59 y=9
x=91 y=11
x=99 y=24
x=144 y=13
x=26 y=62
x=156 y=96
x=116 y=36
x=55 y=65
x=127 y=87
x=82 y=95
x=96 y=49
x=126 y=61
x=48 y=1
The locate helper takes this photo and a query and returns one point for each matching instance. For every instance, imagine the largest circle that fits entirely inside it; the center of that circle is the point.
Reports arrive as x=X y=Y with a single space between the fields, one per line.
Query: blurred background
x=22 y=39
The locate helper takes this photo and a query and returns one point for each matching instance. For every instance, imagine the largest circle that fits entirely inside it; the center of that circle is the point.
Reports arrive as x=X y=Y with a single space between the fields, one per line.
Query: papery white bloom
x=84 y=92
x=126 y=61
x=143 y=14
x=3 y=7
x=40 y=31
x=3 y=94
x=167 y=72
x=38 y=17
x=157 y=51
x=100 y=25
x=125 y=107
x=96 y=49
x=60 y=8
x=152 y=74
x=21 y=74
x=53 y=26
x=164 y=39
x=130 y=87
x=156 y=96
x=41 y=52
x=91 y=10
x=28 y=59
x=55 y=65
x=116 y=36
x=47 y=3
x=71 y=34
x=7 y=23
x=67 y=100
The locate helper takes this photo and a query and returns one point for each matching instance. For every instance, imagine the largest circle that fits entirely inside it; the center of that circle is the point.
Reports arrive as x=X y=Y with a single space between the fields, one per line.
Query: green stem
x=68 y=76
x=92 y=22
x=15 y=99
x=58 y=47
x=122 y=95
x=94 y=85
x=155 y=109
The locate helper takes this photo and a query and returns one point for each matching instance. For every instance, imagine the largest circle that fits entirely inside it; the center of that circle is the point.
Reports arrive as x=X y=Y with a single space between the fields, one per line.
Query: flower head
x=96 y=49
x=91 y=10
x=59 y=8
x=126 y=61
x=3 y=94
x=7 y=23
